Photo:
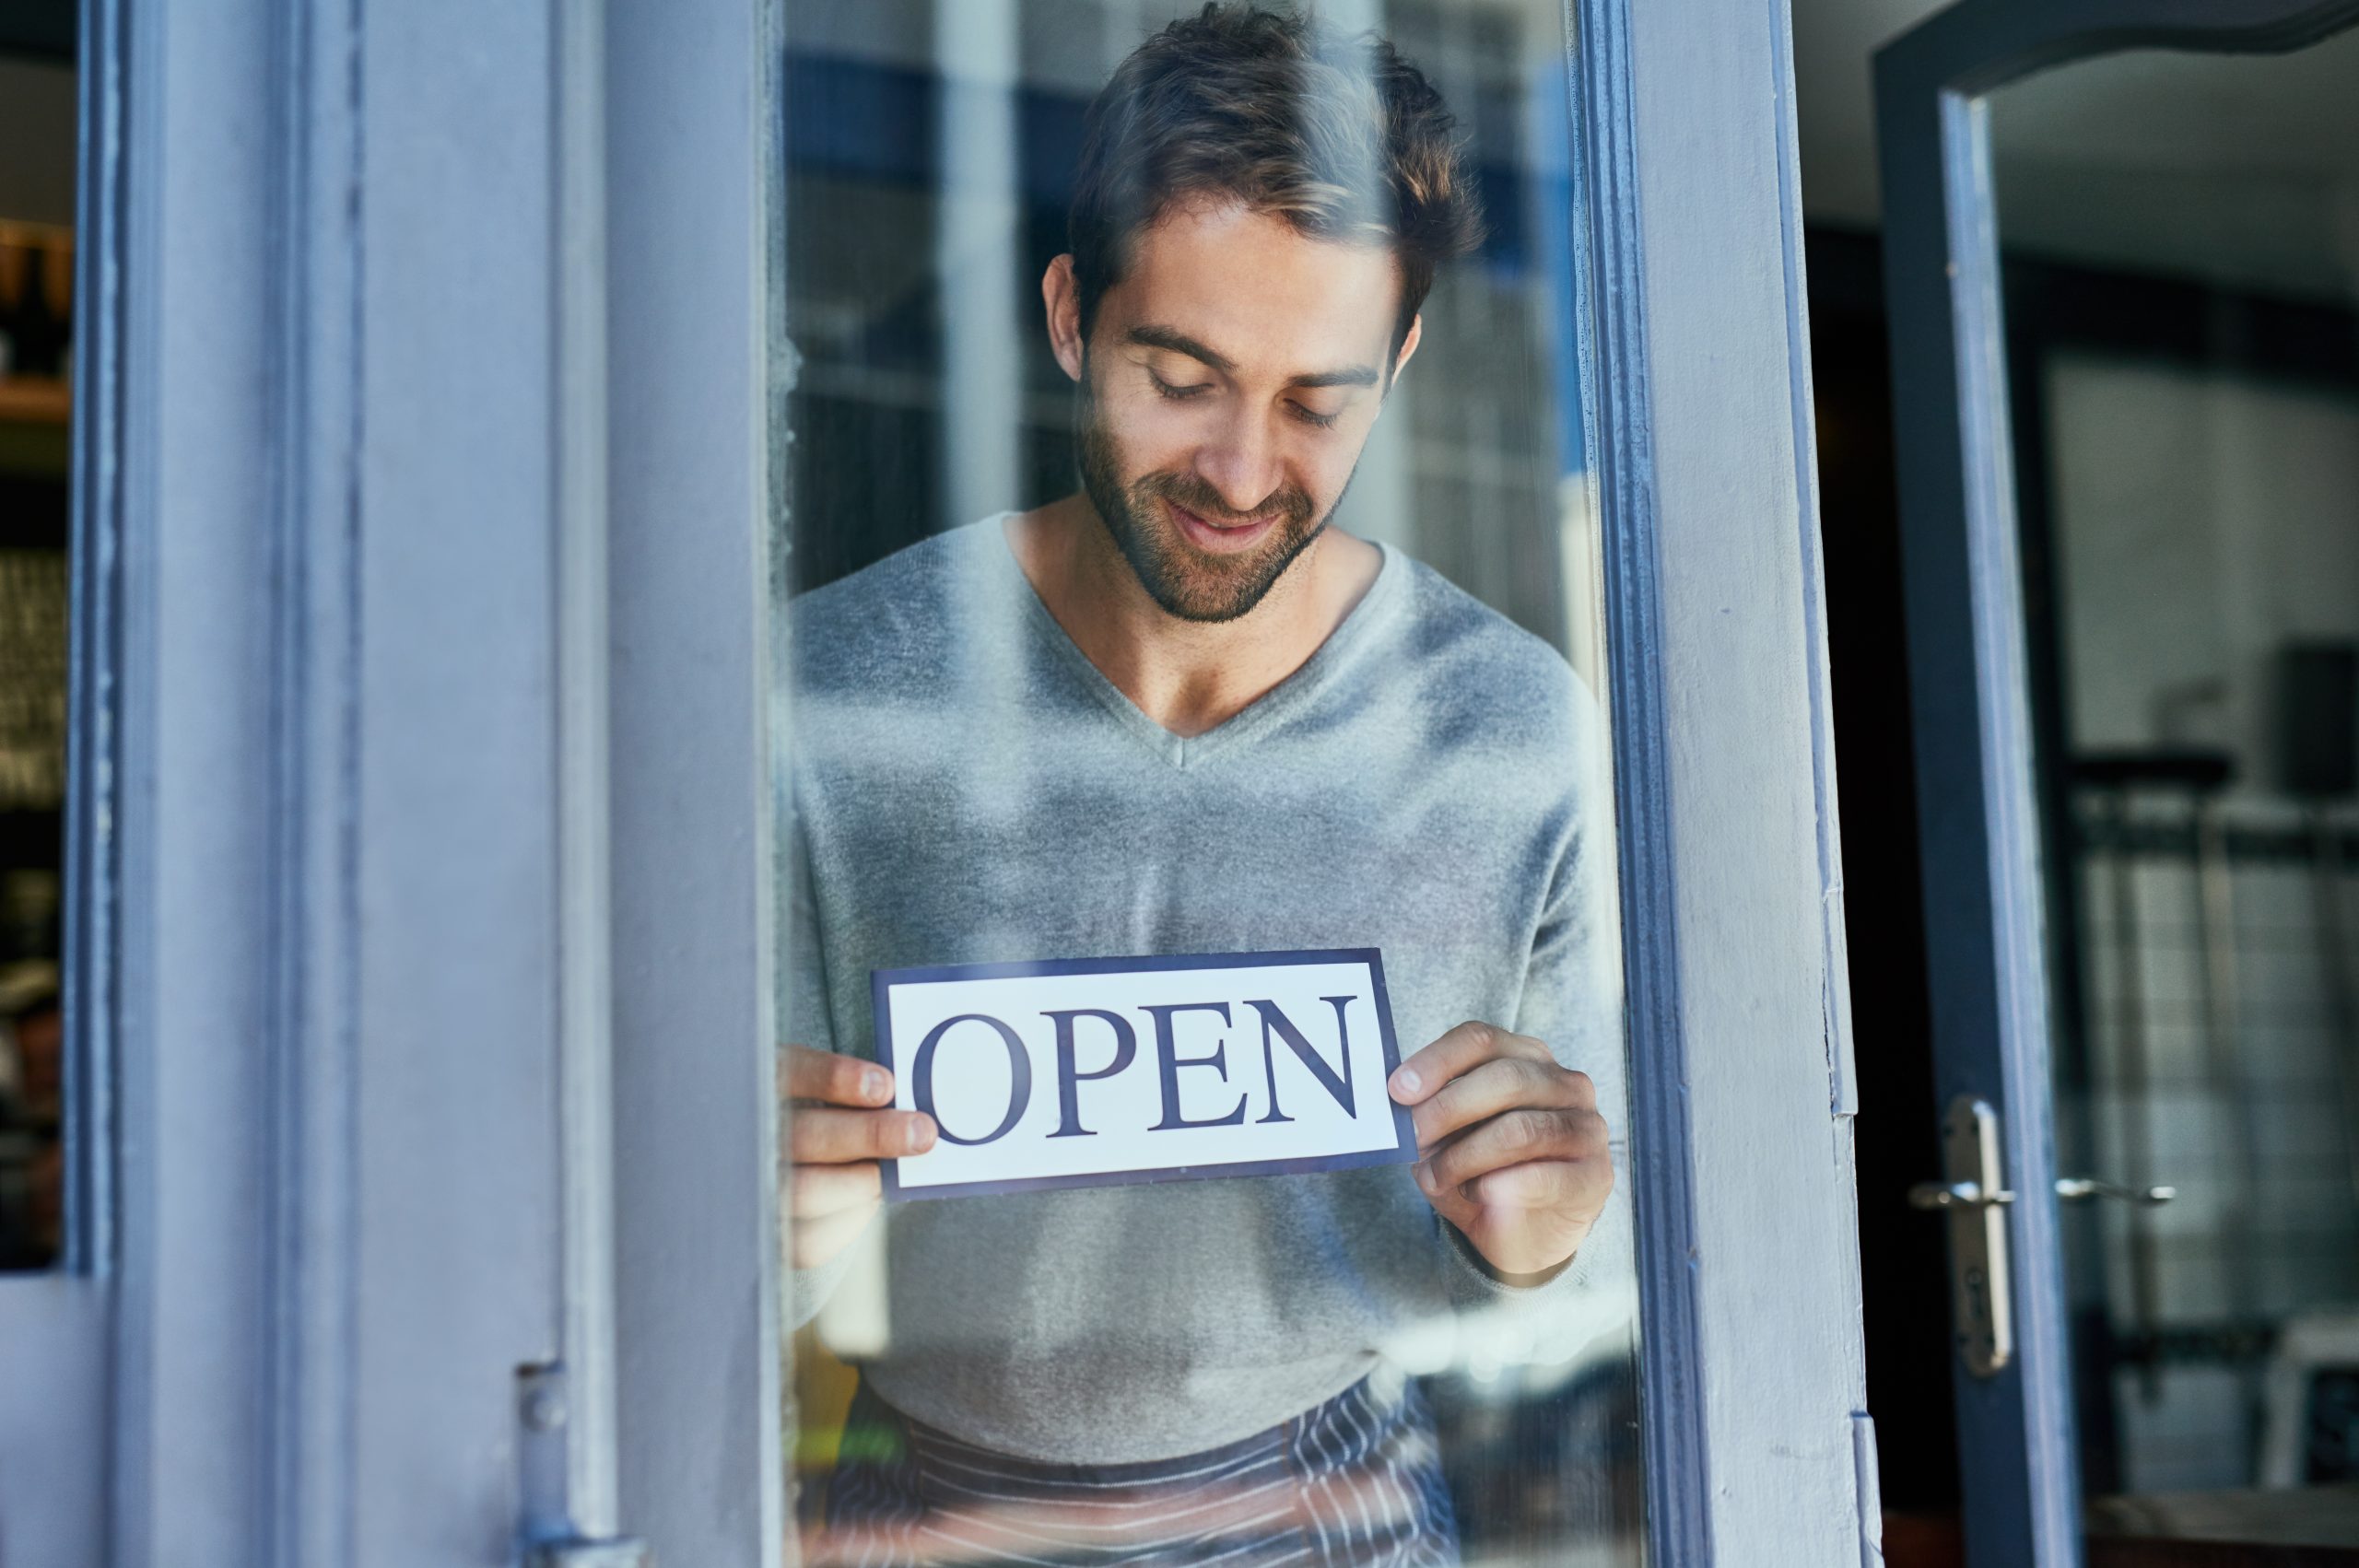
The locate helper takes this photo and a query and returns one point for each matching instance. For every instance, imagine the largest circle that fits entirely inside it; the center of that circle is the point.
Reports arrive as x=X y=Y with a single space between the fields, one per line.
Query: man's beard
x=1189 y=583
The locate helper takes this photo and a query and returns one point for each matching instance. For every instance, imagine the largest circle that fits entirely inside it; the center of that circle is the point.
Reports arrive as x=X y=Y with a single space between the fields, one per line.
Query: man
x=1178 y=713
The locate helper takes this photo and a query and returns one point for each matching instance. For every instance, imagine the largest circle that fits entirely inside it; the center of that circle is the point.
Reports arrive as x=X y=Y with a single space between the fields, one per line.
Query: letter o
x=1019 y=1062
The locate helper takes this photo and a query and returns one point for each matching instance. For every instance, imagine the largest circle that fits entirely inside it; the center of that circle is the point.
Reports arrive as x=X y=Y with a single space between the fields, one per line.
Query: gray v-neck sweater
x=968 y=787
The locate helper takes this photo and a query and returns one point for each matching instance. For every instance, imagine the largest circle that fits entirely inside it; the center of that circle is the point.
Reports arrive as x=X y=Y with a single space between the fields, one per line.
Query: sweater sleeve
x=809 y=1022
x=1572 y=1001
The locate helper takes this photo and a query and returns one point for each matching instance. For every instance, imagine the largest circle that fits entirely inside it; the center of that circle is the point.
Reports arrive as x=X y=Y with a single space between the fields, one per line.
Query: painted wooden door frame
x=699 y=373
x=1978 y=822
x=1731 y=876
x=336 y=981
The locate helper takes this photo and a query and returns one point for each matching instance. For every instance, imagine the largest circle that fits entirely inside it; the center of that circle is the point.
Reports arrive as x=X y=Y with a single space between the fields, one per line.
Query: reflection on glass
x=36 y=359
x=1174 y=575
x=2182 y=235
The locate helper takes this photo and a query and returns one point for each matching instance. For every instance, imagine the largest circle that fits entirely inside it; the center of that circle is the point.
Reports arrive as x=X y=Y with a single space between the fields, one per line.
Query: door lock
x=1973 y=1196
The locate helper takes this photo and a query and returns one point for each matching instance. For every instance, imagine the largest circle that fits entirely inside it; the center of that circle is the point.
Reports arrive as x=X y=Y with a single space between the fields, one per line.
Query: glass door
x=2153 y=548
x=1218 y=536
x=1193 y=557
x=2182 y=284
x=1201 y=552
x=50 y=1312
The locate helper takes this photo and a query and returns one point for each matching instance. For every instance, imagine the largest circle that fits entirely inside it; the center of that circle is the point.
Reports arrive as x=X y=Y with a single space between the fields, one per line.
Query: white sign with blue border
x=1100 y=1072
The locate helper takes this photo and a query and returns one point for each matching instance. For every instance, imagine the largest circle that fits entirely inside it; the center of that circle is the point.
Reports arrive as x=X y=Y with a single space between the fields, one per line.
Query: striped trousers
x=1356 y=1480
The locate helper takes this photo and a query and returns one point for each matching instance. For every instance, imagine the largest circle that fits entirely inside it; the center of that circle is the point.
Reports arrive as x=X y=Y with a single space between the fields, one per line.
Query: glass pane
x=36 y=362
x=2182 y=244
x=1250 y=788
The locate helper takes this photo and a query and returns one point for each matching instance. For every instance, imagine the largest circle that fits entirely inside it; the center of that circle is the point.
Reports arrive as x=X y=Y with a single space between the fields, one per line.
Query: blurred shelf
x=28 y=401
x=2313 y=1527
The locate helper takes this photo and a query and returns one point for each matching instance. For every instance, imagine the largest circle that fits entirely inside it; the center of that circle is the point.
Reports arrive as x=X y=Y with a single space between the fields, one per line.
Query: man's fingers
x=818 y=1192
x=1502 y=1084
x=1511 y=1139
x=824 y=1137
x=1543 y=1184
x=827 y=1205
x=836 y=1080
x=1457 y=1051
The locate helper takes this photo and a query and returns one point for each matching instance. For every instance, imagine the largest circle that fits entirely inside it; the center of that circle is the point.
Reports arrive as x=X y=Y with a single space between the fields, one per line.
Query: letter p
x=1069 y=1074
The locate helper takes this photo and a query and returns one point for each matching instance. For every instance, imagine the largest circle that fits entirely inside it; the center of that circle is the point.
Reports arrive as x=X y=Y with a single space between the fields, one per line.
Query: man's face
x=1231 y=380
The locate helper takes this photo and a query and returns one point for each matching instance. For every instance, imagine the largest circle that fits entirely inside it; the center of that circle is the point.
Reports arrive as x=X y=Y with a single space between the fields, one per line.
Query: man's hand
x=842 y=1124
x=1512 y=1149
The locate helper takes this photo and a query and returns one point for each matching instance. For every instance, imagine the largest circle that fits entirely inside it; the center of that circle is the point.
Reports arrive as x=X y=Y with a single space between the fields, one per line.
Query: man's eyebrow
x=1180 y=343
x=1355 y=376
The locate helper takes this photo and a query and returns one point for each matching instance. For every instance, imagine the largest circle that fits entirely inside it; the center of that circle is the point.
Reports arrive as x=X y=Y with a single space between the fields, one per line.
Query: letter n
x=1337 y=1083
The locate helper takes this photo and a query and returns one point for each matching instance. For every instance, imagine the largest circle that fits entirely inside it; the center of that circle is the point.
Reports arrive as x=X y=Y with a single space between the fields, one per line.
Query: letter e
x=1169 y=1061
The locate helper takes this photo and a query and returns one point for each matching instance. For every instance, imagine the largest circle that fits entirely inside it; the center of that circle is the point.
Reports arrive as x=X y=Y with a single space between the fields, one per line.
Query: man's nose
x=1241 y=463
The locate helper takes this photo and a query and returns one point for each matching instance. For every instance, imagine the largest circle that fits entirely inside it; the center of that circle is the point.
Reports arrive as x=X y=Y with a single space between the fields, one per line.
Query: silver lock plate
x=1981 y=1300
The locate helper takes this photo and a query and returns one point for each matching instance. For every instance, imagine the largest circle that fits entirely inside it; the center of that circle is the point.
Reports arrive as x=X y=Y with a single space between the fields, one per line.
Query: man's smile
x=1221 y=538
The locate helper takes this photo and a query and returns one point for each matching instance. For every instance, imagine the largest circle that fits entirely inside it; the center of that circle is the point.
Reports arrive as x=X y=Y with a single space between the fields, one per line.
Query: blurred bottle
x=41 y=334
x=16 y=260
x=58 y=285
x=36 y=294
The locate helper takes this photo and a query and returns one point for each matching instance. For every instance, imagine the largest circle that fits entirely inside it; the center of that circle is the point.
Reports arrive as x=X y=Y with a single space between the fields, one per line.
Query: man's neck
x=1189 y=677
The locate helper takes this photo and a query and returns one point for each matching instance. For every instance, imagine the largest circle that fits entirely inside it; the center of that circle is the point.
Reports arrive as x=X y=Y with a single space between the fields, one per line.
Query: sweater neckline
x=1299 y=687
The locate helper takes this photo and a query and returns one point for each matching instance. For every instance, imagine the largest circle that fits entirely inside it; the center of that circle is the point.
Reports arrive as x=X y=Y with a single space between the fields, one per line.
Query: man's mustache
x=1290 y=502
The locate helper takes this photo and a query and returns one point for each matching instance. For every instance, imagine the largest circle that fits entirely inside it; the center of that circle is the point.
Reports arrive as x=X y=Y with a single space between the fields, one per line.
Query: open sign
x=1096 y=1071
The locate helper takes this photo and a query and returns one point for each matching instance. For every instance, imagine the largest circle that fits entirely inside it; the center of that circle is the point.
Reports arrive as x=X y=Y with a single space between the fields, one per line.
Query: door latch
x=551 y=1540
x=1973 y=1196
x=592 y=1554
x=2075 y=1188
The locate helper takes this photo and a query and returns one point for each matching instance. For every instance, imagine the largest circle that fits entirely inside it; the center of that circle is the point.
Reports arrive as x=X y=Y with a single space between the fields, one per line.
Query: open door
x=2123 y=274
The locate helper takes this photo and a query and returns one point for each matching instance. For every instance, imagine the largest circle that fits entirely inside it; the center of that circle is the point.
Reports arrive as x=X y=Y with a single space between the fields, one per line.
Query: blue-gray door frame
x=1976 y=817
x=337 y=989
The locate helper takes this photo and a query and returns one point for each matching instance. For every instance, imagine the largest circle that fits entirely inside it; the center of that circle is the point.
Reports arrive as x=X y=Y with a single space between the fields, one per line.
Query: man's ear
x=1408 y=346
x=1061 y=291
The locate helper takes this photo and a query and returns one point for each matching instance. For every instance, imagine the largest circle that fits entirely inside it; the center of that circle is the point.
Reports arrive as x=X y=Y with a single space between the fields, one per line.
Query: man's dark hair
x=1338 y=136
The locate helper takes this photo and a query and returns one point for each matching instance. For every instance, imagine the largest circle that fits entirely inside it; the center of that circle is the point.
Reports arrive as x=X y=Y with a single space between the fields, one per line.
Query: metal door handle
x=1956 y=1195
x=2073 y=1188
x=1981 y=1299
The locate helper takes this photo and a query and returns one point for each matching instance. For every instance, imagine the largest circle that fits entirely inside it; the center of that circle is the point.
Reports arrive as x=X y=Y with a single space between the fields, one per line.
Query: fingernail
x=1406 y=1080
x=921 y=1136
x=1424 y=1171
x=872 y=1082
